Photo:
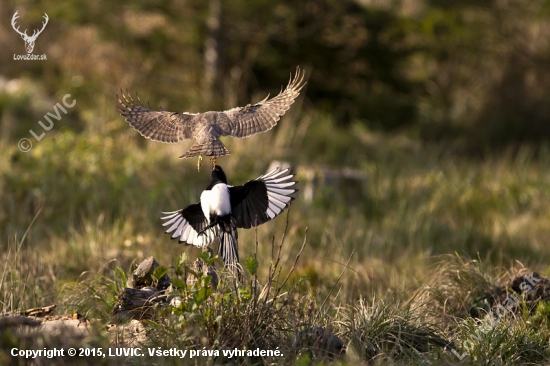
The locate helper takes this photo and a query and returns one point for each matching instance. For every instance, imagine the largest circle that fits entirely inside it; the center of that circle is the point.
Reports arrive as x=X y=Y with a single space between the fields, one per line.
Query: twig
x=38 y=312
x=273 y=266
x=28 y=229
x=332 y=288
x=294 y=265
x=282 y=239
x=255 y=279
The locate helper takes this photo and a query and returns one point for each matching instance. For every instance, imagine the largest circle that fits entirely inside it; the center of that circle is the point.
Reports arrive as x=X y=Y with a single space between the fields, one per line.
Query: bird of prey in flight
x=224 y=208
x=206 y=128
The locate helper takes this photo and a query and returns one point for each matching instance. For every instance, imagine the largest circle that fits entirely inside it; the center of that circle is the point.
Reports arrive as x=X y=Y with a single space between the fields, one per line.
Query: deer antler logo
x=29 y=41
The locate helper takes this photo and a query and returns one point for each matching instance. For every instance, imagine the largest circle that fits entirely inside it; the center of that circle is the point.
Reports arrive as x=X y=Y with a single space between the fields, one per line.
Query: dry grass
x=380 y=264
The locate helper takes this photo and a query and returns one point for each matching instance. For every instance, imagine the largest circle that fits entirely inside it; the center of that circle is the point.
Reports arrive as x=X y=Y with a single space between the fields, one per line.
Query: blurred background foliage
x=443 y=105
x=468 y=72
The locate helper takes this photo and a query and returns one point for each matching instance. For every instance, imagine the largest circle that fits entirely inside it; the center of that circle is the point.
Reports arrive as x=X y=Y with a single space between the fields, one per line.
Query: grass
x=394 y=264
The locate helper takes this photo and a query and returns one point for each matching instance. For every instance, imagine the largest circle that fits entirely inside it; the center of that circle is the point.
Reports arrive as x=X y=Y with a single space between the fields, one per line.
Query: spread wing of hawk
x=206 y=128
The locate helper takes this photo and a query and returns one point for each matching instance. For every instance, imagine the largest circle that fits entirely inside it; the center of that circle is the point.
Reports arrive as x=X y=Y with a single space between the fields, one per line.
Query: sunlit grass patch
x=384 y=242
x=26 y=281
x=390 y=329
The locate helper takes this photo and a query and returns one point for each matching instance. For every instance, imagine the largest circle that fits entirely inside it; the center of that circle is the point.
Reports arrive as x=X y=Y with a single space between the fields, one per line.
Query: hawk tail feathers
x=212 y=148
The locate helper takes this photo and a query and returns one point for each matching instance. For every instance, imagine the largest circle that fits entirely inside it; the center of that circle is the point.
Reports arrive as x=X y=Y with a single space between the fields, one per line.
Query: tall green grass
x=96 y=196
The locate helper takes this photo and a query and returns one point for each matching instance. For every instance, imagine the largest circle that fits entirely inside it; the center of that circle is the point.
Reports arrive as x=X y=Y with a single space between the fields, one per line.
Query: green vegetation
x=439 y=109
x=375 y=275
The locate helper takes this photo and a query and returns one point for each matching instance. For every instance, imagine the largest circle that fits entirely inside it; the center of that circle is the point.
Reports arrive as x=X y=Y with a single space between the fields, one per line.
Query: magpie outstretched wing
x=187 y=223
x=262 y=199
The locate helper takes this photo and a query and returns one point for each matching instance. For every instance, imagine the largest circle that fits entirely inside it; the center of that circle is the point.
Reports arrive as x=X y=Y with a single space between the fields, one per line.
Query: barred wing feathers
x=262 y=116
x=163 y=126
x=207 y=127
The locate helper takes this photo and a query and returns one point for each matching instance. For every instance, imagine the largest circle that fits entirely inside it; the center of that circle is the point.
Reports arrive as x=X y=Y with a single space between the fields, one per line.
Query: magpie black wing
x=262 y=199
x=187 y=223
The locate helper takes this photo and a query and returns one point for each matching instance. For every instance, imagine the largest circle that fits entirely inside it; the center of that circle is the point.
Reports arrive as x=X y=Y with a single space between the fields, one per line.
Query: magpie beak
x=224 y=208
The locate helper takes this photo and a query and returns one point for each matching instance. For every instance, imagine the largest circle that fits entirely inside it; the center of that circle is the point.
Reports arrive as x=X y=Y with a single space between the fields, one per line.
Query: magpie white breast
x=224 y=208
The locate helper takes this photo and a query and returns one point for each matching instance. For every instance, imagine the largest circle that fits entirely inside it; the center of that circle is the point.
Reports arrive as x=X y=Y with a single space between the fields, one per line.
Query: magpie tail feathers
x=212 y=148
x=228 y=246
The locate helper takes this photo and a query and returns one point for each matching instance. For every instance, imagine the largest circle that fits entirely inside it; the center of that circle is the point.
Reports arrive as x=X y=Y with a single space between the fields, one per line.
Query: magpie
x=224 y=208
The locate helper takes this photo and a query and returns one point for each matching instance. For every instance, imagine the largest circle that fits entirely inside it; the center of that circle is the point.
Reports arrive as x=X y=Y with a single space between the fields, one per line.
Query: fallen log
x=143 y=293
x=16 y=321
x=36 y=312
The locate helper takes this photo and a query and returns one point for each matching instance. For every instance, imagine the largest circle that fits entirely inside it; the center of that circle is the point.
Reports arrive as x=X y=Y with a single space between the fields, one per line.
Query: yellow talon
x=199 y=163
x=213 y=162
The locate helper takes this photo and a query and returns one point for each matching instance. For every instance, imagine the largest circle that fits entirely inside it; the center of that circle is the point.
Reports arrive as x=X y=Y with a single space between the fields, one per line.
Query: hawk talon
x=213 y=160
x=199 y=163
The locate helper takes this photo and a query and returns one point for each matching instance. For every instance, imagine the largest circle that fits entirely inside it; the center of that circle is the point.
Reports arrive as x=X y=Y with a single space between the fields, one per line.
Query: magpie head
x=218 y=175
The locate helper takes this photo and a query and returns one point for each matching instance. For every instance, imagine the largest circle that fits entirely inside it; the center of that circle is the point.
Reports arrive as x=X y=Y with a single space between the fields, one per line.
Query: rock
x=320 y=343
x=142 y=276
x=132 y=334
x=199 y=266
x=530 y=288
x=137 y=300
x=72 y=328
x=137 y=303
x=60 y=331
